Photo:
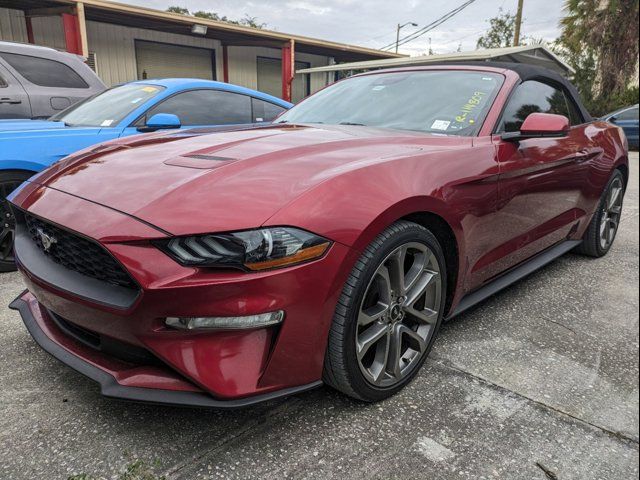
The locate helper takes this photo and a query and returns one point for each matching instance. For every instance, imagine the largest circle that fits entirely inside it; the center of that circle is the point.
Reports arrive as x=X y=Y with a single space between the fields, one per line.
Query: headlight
x=262 y=249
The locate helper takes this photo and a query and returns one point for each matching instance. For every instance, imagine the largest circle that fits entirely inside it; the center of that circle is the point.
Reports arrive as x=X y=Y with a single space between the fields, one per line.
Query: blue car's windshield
x=447 y=102
x=108 y=108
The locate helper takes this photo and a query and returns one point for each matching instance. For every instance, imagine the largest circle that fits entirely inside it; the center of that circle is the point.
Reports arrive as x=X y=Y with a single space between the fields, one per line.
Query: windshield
x=445 y=102
x=108 y=108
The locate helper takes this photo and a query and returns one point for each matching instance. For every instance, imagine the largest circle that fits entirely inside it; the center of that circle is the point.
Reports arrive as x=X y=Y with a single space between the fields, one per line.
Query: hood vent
x=200 y=160
x=211 y=157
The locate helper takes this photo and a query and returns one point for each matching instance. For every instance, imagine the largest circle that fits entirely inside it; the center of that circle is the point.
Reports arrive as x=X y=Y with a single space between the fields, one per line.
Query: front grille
x=76 y=253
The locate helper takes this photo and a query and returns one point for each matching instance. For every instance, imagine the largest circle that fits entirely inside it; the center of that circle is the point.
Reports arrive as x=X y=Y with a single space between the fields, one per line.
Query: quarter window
x=265 y=111
x=45 y=72
x=536 y=97
x=3 y=82
x=207 y=107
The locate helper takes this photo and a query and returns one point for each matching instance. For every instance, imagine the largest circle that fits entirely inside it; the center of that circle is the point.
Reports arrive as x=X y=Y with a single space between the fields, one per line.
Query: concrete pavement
x=539 y=382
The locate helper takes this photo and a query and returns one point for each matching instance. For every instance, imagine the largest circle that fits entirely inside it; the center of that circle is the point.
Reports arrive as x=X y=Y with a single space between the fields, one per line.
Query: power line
x=431 y=26
x=436 y=23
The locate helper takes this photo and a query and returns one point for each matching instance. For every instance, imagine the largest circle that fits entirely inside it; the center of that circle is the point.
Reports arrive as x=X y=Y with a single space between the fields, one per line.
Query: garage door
x=159 y=60
x=270 y=79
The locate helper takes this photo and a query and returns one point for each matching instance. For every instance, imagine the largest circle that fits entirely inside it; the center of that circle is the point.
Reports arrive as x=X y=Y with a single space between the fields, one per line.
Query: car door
x=202 y=107
x=541 y=179
x=14 y=102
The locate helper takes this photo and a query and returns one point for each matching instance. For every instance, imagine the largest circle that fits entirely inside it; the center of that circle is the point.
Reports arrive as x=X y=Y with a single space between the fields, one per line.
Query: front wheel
x=9 y=181
x=388 y=315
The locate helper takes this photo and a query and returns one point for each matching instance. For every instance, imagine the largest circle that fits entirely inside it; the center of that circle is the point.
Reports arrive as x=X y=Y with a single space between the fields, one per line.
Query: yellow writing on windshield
x=470 y=107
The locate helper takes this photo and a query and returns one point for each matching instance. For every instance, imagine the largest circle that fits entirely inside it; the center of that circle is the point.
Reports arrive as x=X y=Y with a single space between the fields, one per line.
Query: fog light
x=225 y=323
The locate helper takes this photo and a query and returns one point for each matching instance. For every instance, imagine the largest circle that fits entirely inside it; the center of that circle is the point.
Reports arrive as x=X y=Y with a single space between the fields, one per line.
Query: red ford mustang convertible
x=227 y=268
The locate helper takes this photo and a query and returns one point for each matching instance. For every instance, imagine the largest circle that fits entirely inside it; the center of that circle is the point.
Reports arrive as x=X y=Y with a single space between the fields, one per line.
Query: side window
x=631 y=114
x=207 y=107
x=265 y=111
x=536 y=97
x=45 y=72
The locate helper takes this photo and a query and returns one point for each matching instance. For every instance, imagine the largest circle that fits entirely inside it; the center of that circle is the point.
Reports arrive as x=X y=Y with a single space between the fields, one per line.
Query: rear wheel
x=9 y=181
x=603 y=228
x=388 y=314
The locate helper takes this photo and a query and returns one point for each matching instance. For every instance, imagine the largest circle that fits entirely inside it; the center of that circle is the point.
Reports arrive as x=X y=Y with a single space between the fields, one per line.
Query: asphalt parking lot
x=539 y=382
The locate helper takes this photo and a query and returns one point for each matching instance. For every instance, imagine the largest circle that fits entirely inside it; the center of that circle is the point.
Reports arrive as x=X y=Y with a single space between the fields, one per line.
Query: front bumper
x=238 y=366
x=116 y=379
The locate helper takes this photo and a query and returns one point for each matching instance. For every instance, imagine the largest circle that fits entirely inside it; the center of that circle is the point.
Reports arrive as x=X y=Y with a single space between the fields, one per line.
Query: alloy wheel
x=611 y=210
x=398 y=314
x=8 y=221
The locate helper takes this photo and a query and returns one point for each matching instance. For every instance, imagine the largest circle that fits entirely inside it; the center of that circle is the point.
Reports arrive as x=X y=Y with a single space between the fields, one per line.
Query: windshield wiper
x=351 y=123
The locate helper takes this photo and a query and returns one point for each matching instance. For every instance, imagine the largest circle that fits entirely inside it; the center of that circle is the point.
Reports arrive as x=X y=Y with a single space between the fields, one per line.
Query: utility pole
x=413 y=24
x=516 y=36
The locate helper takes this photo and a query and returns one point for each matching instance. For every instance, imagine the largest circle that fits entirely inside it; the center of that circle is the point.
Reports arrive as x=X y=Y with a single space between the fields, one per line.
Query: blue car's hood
x=34 y=145
x=18 y=125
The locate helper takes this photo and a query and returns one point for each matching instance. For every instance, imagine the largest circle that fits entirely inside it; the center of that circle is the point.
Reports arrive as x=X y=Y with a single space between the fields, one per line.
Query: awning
x=532 y=54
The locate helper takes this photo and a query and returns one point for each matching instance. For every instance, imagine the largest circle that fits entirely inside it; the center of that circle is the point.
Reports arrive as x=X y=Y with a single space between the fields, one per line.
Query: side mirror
x=612 y=119
x=540 y=125
x=161 y=121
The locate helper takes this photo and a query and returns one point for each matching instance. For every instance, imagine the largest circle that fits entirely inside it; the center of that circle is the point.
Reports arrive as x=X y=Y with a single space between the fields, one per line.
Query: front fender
x=458 y=185
x=408 y=206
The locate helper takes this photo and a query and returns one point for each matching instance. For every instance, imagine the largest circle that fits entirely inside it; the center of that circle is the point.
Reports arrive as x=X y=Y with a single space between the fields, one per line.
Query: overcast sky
x=372 y=23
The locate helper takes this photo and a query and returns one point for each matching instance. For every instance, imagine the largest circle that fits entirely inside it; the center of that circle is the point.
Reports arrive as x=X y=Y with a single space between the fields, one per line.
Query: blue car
x=29 y=146
x=627 y=119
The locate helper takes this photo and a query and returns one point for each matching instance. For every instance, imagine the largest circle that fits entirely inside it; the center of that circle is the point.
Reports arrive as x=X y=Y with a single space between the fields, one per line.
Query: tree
x=246 y=21
x=600 y=41
x=180 y=10
x=501 y=31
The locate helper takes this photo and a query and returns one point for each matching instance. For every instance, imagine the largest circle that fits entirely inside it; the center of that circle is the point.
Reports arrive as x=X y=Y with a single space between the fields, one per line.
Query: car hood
x=21 y=125
x=191 y=182
x=37 y=148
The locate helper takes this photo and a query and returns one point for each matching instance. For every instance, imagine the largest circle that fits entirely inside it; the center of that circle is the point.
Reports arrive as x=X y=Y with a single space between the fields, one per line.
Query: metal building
x=125 y=42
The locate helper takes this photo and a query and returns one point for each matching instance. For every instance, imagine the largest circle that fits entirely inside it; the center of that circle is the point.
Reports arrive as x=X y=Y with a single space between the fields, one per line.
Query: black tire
x=9 y=181
x=342 y=369
x=591 y=241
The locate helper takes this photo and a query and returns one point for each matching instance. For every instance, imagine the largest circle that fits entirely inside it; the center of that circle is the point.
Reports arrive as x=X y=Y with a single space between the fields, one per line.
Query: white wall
x=12 y=25
x=243 y=65
x=114 y=48
x=48 y=31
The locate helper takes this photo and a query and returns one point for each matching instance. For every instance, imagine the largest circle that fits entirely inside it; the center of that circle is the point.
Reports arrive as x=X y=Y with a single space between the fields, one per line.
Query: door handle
x=587 y=154
x=583 y=155
x=8 y=101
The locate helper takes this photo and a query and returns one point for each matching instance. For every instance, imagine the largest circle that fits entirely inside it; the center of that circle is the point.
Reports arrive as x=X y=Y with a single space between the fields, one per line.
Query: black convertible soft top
x=533 y=72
